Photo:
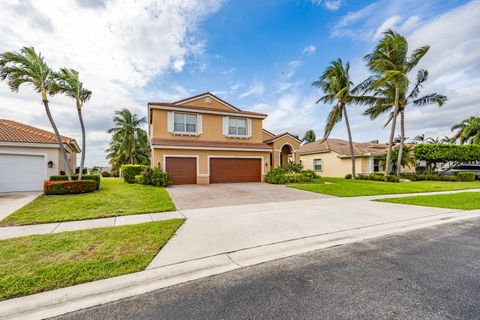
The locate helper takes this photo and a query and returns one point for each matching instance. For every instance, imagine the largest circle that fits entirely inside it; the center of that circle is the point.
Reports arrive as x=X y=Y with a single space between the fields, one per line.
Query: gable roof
x=182 y=105
x=268 y=132
x=206 y=94
x=342 y=147
x=281 y=135
x=13 y=131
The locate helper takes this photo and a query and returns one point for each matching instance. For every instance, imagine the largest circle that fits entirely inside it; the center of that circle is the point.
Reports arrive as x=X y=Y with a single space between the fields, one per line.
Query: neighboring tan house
x=204 y=139
x=332 y=158
x=30 y=155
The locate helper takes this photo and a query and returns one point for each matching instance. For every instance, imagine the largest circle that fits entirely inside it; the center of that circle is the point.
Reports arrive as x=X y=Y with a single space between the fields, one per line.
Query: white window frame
x=171 y=123
x=321 y=165
x=226 y=128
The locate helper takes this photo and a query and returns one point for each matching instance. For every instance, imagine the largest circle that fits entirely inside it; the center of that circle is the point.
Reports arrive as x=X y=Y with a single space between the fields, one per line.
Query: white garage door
x=21 y=172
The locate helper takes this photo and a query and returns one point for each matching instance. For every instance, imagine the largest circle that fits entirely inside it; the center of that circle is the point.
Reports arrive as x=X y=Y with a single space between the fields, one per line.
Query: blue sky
x=257 y=55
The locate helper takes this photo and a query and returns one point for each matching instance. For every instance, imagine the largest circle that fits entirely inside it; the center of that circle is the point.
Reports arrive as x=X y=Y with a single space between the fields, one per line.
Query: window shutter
x=170 y=121
x=225 y=126
x=249 y=127
x=199 y=124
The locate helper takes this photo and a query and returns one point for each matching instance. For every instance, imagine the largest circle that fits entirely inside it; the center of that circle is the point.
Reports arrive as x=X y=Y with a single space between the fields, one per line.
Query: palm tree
x=420 y=138
x=66 y=81
x=385 y=99
x=336 y=85
x=129 y=142
x=468 y=130
x=448 y=140
x=309 y=136
x=28 y=67
x=390 y=65
x=432 y=140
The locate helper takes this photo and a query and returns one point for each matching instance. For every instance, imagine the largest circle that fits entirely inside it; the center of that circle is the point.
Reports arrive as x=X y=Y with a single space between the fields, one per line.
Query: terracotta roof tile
x=342 y=147
x=208 y=144
x=13 y=131
x=167 y=104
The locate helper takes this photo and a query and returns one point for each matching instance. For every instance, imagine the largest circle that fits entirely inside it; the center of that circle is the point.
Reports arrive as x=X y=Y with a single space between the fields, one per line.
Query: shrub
x=348 y=176
x=160 y=178
x=94 y=177
x=69 y=187
x=276 y=176
x=297 y=178
x=433 y=153
x=129 y=171
x=466 y=176
x=106 y=174
x=115 y=174
x=310 y=174
x=293 y=167
x=154 y=177
x=392 y=178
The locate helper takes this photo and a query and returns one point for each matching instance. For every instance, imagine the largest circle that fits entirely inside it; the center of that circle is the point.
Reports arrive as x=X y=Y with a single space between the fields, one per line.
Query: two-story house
x=203 y=139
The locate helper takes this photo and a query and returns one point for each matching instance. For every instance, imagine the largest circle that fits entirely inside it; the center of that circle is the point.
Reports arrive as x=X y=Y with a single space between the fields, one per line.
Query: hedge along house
x=30 y=155
x=203 y=139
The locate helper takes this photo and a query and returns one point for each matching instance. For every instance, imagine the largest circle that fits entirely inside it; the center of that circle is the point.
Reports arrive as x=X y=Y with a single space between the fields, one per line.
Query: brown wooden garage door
x=224 y=170
x=182 y=170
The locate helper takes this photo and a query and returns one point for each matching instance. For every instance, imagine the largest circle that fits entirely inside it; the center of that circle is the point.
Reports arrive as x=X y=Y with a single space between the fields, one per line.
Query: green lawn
x=462 y=201
x=341 y=187
x=44 y=262
x=115 y=198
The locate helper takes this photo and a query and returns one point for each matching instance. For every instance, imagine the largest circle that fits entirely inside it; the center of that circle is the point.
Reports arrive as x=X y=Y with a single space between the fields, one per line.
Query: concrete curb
x=61 y=301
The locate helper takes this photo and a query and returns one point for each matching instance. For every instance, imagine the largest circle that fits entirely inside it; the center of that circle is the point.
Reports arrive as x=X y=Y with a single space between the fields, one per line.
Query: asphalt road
x=428 y=274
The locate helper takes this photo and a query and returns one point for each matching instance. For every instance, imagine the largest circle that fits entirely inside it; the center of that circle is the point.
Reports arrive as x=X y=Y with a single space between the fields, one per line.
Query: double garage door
x=183 y=170
x=22 y=172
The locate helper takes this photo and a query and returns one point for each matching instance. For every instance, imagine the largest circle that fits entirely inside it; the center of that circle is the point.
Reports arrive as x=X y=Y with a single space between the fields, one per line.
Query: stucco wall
x=212 y=128
x=158 y=159
x=52 y=155
x=333 y=166
x=277 y=148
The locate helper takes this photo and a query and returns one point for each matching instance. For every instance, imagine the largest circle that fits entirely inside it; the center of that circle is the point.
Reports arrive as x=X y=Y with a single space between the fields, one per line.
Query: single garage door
x=182 y=170
x=21 y=172
x=223 y=170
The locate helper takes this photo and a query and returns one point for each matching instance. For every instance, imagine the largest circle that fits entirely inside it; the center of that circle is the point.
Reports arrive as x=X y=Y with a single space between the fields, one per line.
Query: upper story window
x=185 y=122
x=318 y=164
x=237 y=127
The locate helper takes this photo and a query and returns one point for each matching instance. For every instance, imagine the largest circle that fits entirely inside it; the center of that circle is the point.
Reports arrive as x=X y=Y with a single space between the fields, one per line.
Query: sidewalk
x=46 y=228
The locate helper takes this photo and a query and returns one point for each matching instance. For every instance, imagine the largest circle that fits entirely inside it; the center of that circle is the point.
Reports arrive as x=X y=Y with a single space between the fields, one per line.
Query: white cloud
x=117 y=46
x=309 y=50
x=255 y=89
x=453 y=62
x=331 y=5
x=387 y=24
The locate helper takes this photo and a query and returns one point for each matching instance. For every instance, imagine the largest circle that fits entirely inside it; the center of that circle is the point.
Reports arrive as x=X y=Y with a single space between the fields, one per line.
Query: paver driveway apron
x=217 y=230
x=196 y=196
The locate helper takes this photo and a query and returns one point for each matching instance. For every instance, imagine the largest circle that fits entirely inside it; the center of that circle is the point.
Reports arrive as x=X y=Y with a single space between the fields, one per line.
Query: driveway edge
x=65 y=300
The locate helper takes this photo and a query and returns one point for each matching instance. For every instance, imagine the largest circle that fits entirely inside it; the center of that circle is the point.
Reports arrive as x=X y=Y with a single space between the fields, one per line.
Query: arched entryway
x=286 y=154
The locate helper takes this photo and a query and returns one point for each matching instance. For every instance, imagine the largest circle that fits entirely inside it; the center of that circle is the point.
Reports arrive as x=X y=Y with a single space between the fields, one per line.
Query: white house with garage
x=29 y=155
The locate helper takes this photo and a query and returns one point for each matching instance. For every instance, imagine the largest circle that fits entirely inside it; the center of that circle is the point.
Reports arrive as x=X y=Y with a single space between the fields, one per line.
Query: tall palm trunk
x=82 y=125
x=388 y=165
x=402 y=142
x=347 y=123
x=57 y=135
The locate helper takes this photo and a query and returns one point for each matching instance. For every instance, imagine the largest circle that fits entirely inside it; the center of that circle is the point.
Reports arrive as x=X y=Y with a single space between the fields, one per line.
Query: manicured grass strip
x=462 y=201
x=44 y=262
x=353 y=188
x=115 y=198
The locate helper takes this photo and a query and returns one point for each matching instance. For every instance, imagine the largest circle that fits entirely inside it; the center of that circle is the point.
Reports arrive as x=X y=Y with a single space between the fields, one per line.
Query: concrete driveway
x=12 y=201
x=194 y=196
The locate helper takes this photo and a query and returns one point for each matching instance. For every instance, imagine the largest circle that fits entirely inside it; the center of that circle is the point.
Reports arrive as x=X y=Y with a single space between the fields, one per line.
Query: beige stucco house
x=30 y=155
x=332 y=158
x=203 y=139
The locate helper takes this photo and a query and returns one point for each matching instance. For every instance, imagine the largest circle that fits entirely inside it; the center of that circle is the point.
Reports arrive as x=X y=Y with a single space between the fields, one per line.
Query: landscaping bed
x=45 y=262
x=115 y=198
x=341 y=187
x=461 y=201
